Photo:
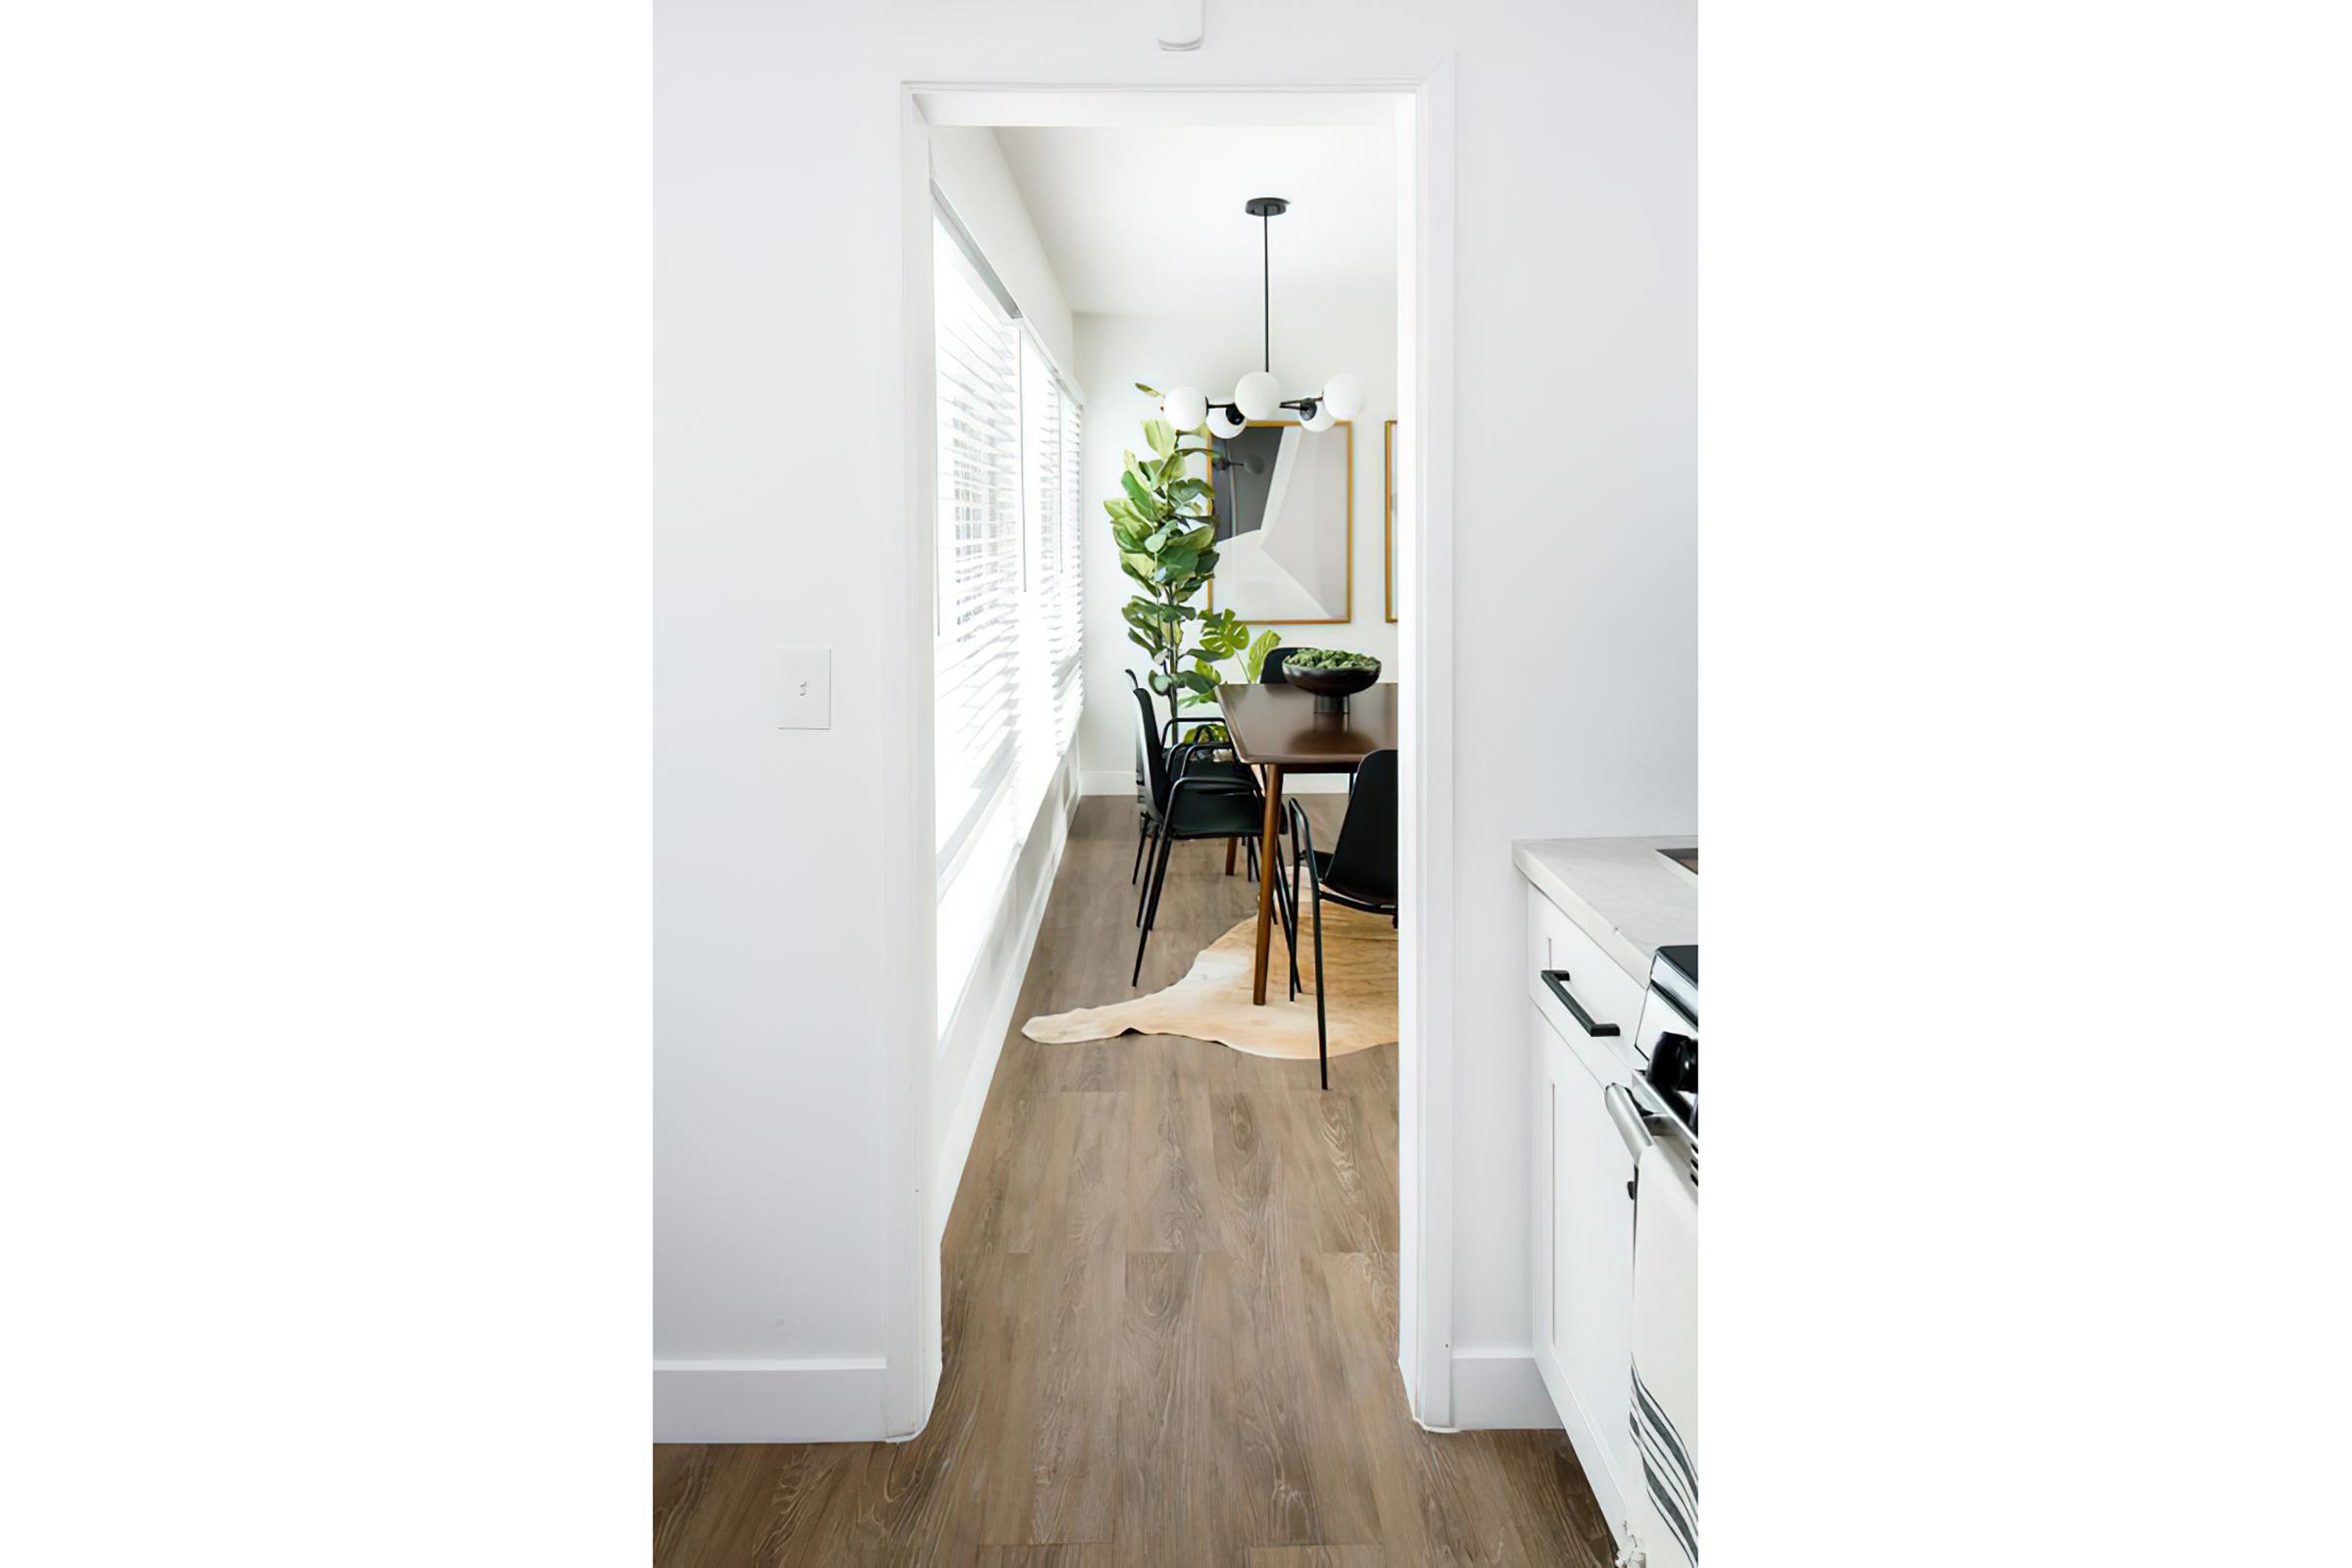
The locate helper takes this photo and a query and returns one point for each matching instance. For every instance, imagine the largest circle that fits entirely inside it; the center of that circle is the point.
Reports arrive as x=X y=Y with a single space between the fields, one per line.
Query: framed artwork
x=1388 y=552
x=1285 y=524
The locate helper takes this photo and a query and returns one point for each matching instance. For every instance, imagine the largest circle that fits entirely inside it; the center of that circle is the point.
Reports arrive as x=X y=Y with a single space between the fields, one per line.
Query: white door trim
x=912 y=1208
x=1426 y=832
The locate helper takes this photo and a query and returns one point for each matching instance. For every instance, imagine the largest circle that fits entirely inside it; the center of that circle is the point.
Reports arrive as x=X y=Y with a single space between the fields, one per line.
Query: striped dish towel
x=1664 y=1511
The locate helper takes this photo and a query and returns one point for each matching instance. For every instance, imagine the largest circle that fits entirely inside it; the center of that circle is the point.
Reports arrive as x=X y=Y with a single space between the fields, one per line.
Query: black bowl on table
x=1332 y=687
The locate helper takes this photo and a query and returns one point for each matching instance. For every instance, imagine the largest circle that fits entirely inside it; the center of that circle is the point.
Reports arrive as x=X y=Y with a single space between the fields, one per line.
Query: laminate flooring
x=1169 y=1294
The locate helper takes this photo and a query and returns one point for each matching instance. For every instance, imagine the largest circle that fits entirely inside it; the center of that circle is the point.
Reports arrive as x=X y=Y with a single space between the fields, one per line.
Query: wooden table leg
x=1267 y=861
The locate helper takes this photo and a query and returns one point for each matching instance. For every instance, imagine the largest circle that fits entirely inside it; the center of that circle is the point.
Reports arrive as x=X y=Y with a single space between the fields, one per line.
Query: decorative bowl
x=1331 y=687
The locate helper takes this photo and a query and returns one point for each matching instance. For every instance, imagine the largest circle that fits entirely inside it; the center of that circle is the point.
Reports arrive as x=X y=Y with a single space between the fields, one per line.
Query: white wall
x=969 y=167
x=779 y=335
x=1312 y=339
x=1576 y=638
x=774 y=971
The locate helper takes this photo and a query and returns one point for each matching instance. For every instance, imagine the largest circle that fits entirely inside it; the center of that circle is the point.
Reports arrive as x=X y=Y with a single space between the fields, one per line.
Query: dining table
x=1276 y=729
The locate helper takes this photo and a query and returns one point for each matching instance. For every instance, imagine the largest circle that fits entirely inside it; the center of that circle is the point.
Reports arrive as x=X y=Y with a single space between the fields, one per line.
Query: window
x=1049 y=485
x=1006 y=687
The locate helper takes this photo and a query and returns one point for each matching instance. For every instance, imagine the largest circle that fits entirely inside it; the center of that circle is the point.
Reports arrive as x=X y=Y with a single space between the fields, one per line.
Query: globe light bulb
x=1225 y=425
x=1344 y=395
x=1258 y=395
x=1321 y=419
x=1186 y=406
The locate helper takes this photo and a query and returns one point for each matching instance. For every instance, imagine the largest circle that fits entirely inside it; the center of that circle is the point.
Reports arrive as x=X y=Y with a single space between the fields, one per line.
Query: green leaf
x=1161 y=435
x=1177 y=562
x=1253 y=662
x=1147 y=614
x=1140 y=496
x=1187 y=490
x=1199 y=539
x=1149 y=391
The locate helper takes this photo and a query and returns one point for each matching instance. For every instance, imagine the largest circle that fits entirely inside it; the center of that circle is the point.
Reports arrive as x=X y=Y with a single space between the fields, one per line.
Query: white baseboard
x=768 y=1401
x=1500 y=1390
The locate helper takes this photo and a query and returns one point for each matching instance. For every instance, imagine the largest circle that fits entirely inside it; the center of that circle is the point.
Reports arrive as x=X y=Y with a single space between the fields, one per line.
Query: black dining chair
x=1143 y=796
x=1191 y=796
x=1271 y=672
x=1146 y=798
x=1359 y=870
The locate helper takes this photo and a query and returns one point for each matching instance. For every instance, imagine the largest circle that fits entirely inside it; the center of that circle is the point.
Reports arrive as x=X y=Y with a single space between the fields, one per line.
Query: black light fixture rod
x=1265 y=209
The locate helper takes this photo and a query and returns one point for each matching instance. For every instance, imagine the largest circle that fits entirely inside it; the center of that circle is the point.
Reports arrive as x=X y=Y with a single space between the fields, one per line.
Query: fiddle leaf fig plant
x=1165 y=521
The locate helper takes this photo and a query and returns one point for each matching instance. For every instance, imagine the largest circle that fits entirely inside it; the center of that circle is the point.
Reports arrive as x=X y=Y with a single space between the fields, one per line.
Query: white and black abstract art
x=1286 y=523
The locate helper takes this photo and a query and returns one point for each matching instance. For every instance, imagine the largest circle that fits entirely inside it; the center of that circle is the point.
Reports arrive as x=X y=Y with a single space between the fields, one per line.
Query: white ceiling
x=1148 y=220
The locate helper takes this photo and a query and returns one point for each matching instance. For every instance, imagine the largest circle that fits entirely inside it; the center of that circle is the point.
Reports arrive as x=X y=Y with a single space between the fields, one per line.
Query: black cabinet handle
x=1557 y=979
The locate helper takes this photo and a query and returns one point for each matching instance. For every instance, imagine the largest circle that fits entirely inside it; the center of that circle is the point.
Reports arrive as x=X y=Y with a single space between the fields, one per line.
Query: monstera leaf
x=1254 y=660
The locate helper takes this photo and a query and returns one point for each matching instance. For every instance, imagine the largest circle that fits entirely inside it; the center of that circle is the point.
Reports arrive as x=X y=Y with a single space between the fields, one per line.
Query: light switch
x=807 y=689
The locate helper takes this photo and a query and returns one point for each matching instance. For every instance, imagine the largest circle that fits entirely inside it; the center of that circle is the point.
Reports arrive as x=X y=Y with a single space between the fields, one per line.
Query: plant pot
x=1331 y=687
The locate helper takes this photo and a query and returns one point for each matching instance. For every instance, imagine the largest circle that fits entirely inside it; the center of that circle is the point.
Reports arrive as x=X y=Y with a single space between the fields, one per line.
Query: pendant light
x=1258 y=395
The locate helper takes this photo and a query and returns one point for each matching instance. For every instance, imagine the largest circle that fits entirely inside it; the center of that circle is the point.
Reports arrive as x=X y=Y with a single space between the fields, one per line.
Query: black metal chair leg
x=1290 y=924
x=1152 y=833
x=1322 y=985
x=1290 y=929
x=1160 y=875
x=1143 y=832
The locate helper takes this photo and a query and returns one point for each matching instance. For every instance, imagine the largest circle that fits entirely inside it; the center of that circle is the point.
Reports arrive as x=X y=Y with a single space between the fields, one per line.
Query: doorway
x=929 y=1138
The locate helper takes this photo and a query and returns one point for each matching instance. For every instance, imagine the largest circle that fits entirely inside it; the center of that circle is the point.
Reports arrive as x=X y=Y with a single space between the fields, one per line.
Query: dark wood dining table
x=1275 y=730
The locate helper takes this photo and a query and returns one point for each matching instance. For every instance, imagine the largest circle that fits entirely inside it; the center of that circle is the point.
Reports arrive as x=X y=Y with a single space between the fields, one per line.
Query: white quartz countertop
x=1622 y=893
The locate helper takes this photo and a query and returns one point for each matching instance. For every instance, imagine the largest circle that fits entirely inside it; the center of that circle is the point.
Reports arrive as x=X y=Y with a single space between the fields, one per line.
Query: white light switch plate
x=807 y=689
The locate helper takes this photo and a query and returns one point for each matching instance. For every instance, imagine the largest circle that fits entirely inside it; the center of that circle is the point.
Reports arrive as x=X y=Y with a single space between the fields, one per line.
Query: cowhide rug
x=1212 y=1001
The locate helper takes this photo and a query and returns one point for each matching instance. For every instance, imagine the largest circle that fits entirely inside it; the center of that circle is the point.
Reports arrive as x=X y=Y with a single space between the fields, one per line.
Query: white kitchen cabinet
x=1585 y=1263
x=1596 y=910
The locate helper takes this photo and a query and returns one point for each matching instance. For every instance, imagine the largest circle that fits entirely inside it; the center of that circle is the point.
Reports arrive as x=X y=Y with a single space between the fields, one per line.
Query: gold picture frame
x=1387 y=548
x=1347 y=427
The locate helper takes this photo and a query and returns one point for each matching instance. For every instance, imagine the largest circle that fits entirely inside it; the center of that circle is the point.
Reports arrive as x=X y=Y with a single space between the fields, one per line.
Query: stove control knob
x=1674 y=1064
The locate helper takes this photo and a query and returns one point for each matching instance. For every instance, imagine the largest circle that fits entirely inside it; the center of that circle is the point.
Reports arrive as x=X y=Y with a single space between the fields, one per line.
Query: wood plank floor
x=1170 y=1286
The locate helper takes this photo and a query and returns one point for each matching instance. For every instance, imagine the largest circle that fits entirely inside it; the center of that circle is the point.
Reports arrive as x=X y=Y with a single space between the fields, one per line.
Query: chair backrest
x=1364 y=859
x=1271 y=672
x=1143 y=779
x=1150 y=756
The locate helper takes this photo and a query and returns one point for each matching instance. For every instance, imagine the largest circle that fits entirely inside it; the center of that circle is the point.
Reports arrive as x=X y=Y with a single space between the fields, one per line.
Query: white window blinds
x=1009 y=617
x=1050 y=431
x=976 y=683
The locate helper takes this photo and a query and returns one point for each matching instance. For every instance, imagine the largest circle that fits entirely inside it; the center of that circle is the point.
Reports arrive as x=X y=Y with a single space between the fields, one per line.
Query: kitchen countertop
x=1622 y=893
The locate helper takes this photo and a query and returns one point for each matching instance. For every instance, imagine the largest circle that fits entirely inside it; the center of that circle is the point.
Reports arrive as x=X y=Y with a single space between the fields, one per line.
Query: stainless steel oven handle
x=1628 y=1117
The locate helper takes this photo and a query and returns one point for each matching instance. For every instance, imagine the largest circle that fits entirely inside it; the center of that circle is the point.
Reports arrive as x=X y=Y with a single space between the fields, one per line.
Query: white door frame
x=1425 y=119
